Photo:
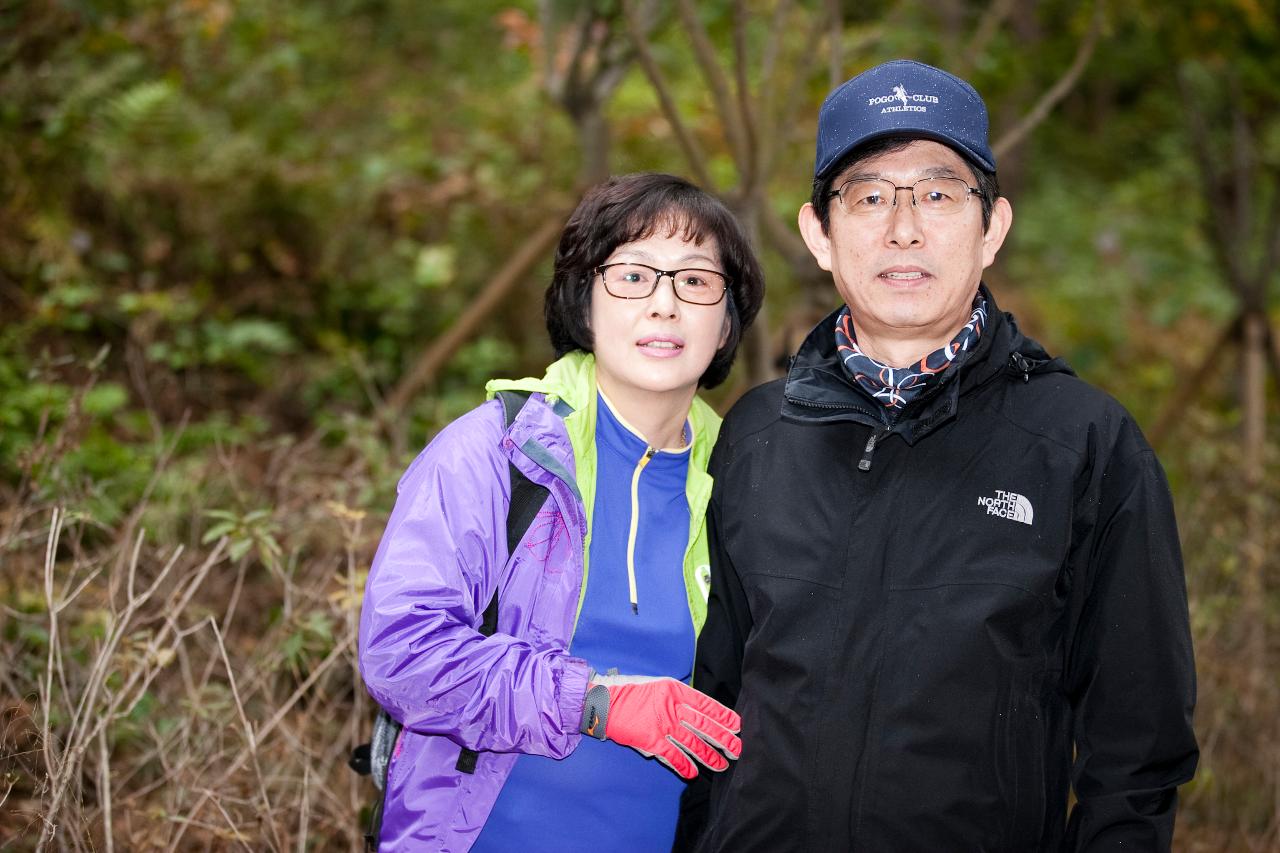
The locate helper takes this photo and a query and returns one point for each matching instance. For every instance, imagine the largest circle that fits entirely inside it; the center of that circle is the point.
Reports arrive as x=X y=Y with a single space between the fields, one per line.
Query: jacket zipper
x=635 y=525
x=864 y=464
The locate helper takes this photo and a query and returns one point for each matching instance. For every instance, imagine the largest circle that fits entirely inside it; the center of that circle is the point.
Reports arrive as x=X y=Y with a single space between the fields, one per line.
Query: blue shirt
x=605 y=796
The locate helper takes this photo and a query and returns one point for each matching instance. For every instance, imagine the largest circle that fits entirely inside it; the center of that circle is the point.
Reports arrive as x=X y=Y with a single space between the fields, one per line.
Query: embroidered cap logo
x=910 y=103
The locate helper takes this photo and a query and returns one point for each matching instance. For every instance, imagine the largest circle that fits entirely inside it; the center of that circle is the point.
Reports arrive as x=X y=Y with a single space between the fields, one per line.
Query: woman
x=654 y=284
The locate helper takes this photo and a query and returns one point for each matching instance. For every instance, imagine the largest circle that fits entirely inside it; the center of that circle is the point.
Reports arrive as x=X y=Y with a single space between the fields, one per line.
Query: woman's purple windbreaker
x=420 y=654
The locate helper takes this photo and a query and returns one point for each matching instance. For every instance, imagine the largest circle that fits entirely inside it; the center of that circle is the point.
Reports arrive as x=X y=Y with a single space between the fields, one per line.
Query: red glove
x=664 y=719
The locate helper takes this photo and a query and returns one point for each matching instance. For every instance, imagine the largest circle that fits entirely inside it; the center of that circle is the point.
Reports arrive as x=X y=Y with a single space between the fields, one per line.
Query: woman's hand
x=664 y=719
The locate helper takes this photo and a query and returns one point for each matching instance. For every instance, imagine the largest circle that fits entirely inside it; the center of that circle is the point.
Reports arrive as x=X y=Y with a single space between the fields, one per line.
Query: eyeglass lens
x=876 y=196
x=637 y=281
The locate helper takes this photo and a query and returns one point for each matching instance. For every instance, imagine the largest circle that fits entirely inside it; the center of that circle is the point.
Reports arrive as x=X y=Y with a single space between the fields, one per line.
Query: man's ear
x=818 y=241
x=1001 y=220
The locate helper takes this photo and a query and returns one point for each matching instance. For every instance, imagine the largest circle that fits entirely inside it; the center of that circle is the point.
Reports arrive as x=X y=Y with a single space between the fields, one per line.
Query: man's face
x=908 y=278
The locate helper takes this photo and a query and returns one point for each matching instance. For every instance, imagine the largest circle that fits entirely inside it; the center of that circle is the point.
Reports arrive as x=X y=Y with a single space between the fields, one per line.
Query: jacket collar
x=817 y=389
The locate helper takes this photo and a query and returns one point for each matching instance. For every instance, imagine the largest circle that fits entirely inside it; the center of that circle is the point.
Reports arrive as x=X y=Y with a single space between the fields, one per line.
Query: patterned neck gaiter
x=897 y=386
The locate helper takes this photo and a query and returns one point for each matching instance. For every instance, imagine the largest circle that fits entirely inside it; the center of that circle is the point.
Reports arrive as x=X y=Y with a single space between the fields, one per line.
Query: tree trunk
x=1253 y=547
x=593 y=141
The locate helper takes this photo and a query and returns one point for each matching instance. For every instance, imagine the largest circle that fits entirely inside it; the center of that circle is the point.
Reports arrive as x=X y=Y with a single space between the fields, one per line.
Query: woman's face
x=655 y=348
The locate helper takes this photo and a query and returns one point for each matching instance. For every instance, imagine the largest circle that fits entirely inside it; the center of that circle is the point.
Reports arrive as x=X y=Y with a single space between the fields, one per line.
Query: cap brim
x=910 y=133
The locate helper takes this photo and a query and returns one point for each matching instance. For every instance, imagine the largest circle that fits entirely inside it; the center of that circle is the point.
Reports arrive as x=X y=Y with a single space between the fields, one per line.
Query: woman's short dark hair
x=627 y=208
x=987 y=184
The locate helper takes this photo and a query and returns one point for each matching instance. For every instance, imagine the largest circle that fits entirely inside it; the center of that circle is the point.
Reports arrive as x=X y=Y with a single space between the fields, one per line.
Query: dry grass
x=160 y=692
x=162 y=696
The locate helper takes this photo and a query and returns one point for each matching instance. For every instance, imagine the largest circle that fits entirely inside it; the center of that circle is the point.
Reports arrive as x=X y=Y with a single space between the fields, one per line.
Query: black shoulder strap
x=527 y=497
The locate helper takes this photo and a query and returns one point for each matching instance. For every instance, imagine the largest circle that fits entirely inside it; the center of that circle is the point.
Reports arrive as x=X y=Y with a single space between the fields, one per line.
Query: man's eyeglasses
x=878 y=196
x=637 y=281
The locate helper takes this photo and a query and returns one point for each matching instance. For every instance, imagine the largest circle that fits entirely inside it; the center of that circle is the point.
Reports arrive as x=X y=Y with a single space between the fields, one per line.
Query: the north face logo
x=1009 y=505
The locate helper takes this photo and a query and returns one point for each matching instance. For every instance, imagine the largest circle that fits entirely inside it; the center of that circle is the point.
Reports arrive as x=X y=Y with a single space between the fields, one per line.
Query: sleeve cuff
x=573 y=692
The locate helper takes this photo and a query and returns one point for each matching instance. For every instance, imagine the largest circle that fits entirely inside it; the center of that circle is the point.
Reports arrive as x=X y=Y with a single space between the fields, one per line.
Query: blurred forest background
x=254 y=254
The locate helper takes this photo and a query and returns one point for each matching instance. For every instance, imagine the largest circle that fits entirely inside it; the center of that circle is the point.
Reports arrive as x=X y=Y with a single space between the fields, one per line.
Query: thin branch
x=304 y=812
x=750 y=176
x=1038 y=113
x=988 y=25
x=1271 y=226
x=207 y=794
x=713 y=73
x=51 y=760
x=688 y=144
x=772 y=47
x=793 y=101
x=1224 y=231
x=1175 y=410
x=104 y=791
x=615 y=61
x=546 y=19
x=787 y=243
x=1272 y=345
x=251 y=740
x=835 y=52
x=1242 y=166
x=577 y=55
x=443 y=348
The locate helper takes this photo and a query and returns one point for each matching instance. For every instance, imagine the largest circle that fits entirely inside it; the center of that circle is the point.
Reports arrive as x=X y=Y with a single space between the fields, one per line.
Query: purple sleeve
x=432 y=577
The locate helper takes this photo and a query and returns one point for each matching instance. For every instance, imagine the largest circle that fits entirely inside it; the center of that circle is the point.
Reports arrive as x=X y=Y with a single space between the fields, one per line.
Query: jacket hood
x=818 y=389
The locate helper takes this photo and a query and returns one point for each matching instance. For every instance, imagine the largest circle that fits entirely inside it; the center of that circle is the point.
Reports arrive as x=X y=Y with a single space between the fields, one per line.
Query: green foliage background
x=228 y=228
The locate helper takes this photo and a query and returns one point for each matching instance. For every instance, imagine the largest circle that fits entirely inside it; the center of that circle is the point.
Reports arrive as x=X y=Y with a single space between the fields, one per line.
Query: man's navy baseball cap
x=903 y=98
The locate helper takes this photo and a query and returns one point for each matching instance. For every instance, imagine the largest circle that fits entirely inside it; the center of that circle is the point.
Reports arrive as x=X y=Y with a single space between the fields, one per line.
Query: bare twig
x=993 y=16
x=750 y=131
x=1195 y=384
x=779 y=119
x=787 y=243
x=104 y=790
x=304 y=812
x=85 y=725
x=1059 y=90
x=1210 y=173
x=472 y=318
x=684 y=138
x=338 y=651
x=1270 y=238
x=51 y=759
x=835 y=53
x=705 y=54
x=1242 y=171
x=251 y=740
x=772 y=47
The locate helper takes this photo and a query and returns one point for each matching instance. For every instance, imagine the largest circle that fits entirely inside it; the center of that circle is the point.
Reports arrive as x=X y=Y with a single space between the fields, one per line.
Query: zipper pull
x=1022 y=365
x=864 y=464
x=649 y=453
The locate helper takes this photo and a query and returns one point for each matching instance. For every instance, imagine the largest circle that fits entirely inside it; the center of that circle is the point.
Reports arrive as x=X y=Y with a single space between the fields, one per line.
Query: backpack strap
x=527 y=497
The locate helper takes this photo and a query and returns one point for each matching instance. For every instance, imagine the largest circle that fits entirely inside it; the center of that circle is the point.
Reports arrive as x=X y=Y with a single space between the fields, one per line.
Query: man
x=946 y=582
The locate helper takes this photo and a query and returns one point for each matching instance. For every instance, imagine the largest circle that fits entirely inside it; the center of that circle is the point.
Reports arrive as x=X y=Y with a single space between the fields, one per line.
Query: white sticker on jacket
x=703 y=575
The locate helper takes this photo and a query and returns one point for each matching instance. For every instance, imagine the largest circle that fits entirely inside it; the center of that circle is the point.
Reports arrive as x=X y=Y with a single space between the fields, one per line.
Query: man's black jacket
x=933 y=630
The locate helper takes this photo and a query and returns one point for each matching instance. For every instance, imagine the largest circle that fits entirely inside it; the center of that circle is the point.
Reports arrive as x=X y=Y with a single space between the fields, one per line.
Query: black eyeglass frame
x=658 y=274
x=838 y=193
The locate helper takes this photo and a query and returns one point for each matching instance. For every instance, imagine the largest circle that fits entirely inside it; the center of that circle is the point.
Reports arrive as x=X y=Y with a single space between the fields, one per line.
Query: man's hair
x=987 y=183
x=627 y=208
